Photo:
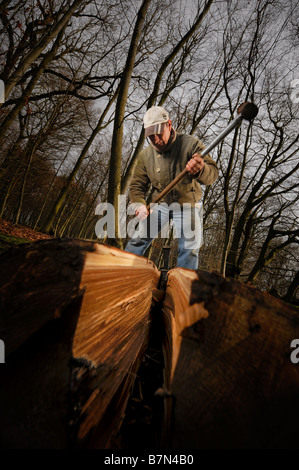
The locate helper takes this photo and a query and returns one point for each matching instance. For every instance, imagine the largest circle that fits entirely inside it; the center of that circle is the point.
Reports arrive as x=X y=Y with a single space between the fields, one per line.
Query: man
x=158 y=164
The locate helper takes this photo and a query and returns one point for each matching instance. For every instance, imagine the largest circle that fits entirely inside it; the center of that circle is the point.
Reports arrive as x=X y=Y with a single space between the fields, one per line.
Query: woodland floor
x=11 y=234
x=18 y=231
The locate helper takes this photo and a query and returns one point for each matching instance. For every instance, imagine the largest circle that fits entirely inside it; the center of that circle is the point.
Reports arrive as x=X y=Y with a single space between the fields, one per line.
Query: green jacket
x=159 y=169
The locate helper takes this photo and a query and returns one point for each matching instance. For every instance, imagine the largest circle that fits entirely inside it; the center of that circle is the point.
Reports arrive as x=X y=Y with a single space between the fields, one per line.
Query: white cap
x=154 y=120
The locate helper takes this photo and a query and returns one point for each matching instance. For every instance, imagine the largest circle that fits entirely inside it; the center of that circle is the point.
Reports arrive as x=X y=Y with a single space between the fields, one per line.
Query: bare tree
x=52 y=24
x=78 y=81
x=114 y=187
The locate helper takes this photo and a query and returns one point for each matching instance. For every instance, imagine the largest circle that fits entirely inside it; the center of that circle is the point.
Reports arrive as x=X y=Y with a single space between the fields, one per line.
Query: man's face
x=161 y=140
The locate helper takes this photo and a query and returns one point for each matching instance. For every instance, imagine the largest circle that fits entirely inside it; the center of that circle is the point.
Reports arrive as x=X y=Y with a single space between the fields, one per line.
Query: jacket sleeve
x=209 y=174
x=140 y=183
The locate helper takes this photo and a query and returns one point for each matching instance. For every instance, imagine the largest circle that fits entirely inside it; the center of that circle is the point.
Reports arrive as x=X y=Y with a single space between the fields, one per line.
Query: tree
x=61 y=198
x=37 y=44
x=255 y=170
x=114 y=187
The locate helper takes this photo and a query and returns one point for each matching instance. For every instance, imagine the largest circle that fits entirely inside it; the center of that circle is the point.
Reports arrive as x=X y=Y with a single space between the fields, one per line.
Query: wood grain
x=75 y=318
x=229 y=381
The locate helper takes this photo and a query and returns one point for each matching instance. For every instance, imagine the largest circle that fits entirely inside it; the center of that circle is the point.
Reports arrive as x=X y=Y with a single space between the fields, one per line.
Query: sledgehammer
x=247 y=111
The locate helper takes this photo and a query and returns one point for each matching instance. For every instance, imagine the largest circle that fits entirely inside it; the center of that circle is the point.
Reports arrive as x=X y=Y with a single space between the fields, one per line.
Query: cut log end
x=227 y=358
x=75 y=320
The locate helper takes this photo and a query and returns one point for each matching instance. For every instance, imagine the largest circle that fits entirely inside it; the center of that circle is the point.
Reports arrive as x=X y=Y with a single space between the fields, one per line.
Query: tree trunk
x=9 y=168
x=114 y=185
x=290 y=295
x=51 y=186
x=32 y=149
x=85 y=222
x=230 y=213
x=63 y=193
x=230 y=253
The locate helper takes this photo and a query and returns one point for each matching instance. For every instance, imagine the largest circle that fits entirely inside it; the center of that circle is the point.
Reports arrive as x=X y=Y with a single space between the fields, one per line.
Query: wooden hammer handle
x=169 y=187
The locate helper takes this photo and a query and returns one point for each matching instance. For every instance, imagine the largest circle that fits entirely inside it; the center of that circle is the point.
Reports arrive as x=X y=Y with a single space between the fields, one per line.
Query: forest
x=79 y=75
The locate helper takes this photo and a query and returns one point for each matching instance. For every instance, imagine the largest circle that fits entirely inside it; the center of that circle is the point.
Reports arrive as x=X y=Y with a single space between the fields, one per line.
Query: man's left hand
x=195 y=164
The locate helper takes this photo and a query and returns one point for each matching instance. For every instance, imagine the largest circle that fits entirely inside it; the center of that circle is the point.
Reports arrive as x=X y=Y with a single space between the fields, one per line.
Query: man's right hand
x=142 y=212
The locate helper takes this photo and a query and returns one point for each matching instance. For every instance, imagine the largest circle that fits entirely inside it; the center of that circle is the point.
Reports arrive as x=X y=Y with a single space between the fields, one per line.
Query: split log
x=74 y=318
x=229 y=381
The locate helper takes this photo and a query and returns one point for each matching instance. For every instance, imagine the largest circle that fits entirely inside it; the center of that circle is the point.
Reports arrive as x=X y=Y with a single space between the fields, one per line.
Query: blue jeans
x=188 y=224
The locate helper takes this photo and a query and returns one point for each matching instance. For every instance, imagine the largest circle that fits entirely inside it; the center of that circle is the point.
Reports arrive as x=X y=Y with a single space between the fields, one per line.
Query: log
x=74 y=318
x=229 y=382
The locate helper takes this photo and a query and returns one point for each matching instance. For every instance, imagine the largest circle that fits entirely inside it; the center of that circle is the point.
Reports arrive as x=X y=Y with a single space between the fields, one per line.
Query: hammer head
x=248 y=110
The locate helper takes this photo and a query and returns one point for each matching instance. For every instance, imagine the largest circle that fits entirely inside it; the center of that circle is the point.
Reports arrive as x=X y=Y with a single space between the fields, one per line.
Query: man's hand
x=195 y=164
x=142 y=212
